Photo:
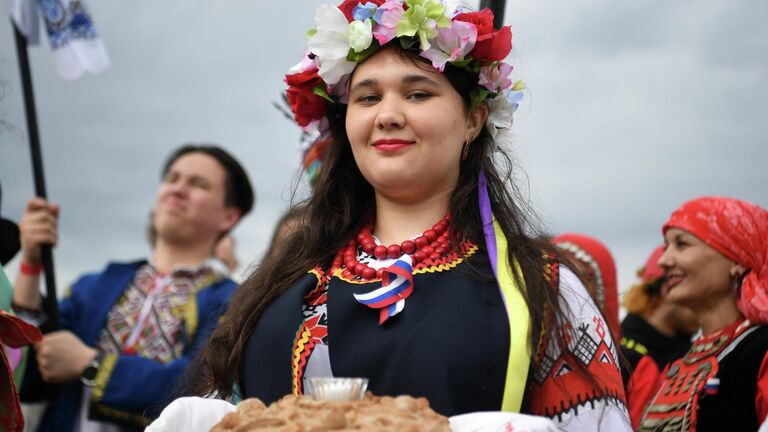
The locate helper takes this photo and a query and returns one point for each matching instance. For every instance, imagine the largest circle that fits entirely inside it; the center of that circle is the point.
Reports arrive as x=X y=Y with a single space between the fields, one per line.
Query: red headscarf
x=738 y=230
x=598 y=258
x=652 y=271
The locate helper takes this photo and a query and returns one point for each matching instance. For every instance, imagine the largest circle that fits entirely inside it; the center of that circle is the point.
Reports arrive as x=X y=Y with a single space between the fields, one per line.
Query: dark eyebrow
x=368 y=82
x=199 y=178
x=408 y=79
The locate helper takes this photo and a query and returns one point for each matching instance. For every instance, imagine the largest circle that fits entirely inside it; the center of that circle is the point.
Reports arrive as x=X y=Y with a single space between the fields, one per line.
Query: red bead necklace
x=432 y=244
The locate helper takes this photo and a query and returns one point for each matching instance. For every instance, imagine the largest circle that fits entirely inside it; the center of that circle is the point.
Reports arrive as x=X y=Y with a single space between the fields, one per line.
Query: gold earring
x=737 y=271
x=465 y=150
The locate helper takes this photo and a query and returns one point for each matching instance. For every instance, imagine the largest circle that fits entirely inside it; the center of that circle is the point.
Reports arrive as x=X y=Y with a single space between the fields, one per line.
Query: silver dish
x=337 y=389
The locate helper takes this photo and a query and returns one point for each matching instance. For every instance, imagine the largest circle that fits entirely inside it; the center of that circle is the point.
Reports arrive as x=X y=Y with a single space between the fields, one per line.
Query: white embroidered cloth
x=195 y=414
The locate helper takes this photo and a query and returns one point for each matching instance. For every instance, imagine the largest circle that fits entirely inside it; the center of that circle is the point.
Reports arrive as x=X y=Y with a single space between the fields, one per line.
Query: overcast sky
x=633 y=108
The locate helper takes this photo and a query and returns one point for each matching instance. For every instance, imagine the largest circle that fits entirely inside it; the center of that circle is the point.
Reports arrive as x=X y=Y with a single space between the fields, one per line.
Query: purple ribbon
x=486 y=218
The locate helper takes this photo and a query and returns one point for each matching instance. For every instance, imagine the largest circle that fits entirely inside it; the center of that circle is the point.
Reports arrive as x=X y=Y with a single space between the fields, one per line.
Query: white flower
x=360 y=35
x=499 y=122
x=330 y=44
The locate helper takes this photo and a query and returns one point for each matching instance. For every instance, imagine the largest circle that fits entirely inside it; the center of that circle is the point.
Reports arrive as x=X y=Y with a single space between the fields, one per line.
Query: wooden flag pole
x=50 y=305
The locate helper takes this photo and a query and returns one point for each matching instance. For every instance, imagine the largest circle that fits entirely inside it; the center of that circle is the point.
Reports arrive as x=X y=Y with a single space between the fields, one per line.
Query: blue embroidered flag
x=71 y=32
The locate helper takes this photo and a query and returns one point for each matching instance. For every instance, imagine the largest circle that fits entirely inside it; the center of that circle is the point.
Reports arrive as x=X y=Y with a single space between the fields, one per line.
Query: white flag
x=71 y=33
x=24 y=15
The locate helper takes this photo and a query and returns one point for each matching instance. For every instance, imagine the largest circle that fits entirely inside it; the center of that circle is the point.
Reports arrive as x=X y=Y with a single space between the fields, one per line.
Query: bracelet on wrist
x=30 y=270
x=88 y=376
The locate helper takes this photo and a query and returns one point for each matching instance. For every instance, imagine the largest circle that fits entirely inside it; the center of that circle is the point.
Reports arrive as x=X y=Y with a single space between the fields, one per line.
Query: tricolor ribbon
x=712 y=387
x=396 y=286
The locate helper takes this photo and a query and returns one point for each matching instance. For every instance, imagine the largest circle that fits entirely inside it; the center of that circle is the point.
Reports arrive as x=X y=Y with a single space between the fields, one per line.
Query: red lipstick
x=390 y=145
x=674 y=280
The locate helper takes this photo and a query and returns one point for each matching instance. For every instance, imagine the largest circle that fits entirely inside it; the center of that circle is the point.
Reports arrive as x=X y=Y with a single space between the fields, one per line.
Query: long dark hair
x=342 y=203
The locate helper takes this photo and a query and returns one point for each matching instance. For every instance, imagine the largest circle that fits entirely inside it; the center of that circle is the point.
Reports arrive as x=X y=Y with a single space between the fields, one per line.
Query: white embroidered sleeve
x=584 y=330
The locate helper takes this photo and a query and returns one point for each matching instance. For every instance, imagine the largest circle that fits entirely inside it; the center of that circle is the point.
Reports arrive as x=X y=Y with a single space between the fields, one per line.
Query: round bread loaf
x=304 y=414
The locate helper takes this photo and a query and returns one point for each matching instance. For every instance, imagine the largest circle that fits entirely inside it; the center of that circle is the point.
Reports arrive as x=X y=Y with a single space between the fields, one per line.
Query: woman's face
x=407 y=125
x=698 y=276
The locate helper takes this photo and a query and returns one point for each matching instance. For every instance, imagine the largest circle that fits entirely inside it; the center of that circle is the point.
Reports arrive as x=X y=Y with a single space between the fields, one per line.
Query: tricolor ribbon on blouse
x=396 y=286
x=712 y=386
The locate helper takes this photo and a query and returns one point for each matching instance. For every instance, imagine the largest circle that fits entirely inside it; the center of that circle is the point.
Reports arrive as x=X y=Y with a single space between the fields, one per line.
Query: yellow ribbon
x=519 y=359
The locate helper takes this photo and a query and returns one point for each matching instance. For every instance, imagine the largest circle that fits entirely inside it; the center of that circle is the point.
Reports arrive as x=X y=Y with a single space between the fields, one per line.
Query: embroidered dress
x=160 y=334
x=148 y=321
x=448 y=344
x=129 y=386
x=312 y=337
x=557 y=390
x=648 y=352
x=720 y=384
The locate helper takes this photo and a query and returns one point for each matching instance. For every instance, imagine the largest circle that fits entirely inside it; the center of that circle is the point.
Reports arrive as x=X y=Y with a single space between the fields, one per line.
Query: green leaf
x=311 y=32
x=462 y=63
x=320 y=91
x=477 y=96
x=407 y=43
x=357 y=57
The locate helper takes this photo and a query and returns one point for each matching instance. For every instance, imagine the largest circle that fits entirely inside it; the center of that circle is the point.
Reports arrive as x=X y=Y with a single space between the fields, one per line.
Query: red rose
x=483 y=20
x=305 y=104
x=493 y=46
x=349 y=5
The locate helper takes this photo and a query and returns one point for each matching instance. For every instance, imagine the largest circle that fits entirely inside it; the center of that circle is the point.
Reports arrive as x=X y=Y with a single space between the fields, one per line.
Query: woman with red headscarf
x=716 y=264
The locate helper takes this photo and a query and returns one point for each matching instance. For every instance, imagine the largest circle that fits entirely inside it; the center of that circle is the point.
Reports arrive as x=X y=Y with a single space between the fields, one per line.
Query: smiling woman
x=400 y=144
x=716 y=264
x=415 y=265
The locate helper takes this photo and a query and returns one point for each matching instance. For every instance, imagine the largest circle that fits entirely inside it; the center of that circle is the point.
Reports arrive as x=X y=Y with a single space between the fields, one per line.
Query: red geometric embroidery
x=599 y=326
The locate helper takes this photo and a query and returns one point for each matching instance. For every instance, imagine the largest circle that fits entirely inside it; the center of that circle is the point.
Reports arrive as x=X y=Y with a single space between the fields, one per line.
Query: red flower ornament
x=494 y=46
x=490 y=45
x=483 y=20
x=305 y=104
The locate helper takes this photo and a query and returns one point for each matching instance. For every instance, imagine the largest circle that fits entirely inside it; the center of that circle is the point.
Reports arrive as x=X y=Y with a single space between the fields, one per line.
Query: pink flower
x=341 y=89
x=308 y=62
x=451 y=44
x=495 y=78
x=391 y=12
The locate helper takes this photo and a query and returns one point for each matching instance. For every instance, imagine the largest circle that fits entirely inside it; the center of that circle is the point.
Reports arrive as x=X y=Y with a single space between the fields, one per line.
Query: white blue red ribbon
x=396 y=286
x=712 y=387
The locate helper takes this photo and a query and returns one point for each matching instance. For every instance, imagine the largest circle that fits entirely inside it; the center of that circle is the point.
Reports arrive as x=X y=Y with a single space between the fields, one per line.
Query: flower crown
x=346 y=35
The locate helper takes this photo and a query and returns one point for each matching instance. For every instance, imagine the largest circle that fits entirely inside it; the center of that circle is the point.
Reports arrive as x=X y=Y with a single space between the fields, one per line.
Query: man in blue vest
x=129 y=331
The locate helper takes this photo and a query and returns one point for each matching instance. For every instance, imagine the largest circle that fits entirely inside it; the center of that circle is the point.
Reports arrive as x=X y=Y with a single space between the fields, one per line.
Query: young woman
x=415 y=266
x=716 y=264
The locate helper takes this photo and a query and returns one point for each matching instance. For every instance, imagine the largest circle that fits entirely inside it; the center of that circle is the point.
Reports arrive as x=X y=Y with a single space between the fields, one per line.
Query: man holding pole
x=130 y=330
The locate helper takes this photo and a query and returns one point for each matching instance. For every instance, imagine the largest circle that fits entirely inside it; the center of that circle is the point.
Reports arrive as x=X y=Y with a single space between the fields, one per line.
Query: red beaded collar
x=433 y=243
